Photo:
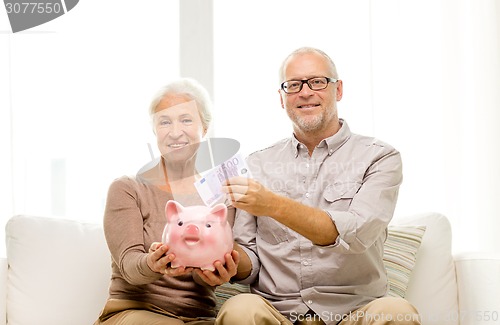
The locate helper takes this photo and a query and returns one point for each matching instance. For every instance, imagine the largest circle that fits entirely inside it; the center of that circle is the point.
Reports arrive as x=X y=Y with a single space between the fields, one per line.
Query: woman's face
x=178 y=128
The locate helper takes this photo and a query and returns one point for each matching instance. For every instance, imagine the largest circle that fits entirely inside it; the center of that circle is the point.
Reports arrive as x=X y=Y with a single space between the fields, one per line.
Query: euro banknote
x=209 y=187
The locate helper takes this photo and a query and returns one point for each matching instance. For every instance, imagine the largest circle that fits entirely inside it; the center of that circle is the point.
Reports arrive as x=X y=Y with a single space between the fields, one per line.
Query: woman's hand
x=159 y=262
x=222 y=273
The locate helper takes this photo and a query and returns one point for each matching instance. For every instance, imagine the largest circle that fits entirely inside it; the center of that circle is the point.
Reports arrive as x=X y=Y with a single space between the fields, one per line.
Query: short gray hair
x=193 y=90
x=303 y=50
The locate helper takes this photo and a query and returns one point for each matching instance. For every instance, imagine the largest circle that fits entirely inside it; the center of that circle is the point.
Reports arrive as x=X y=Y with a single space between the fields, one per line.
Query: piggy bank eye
x=208 y=225
x=180 y=223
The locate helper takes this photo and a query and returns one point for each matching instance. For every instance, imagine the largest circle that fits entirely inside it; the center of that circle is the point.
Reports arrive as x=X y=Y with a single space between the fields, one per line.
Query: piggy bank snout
x=191 y=234
x=192 y=230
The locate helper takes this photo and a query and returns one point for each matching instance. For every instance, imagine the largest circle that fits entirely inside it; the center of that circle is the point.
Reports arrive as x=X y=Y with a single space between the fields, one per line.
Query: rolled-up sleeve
x=372 y=205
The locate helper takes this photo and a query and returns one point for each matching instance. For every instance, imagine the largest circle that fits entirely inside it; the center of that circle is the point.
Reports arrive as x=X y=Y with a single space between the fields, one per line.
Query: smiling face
x=178 y=128
x=313 y=112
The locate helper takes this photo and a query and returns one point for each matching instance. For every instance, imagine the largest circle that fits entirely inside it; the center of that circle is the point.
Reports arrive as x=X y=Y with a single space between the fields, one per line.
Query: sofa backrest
x=59 y=270
x=433 y=284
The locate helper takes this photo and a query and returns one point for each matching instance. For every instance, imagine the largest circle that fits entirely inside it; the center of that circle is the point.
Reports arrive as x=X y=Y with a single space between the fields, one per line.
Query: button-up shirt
x=355 y=180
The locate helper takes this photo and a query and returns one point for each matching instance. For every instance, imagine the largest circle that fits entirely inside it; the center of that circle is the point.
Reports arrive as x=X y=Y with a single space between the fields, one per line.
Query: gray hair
x=303 y=50
x=193 y=90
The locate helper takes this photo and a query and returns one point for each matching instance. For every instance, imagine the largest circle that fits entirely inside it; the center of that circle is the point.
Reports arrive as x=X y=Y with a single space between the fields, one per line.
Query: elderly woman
x=144 y=289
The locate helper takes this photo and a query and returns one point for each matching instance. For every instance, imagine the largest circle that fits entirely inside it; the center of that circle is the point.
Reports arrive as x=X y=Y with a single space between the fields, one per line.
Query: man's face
x=311 y=111
x=178 y=128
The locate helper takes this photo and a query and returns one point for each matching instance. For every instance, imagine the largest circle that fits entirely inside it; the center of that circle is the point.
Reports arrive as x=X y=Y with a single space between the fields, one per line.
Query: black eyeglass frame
x=328 y=79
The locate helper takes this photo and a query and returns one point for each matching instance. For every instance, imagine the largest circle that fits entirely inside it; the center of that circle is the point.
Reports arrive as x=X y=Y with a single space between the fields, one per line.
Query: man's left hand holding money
x=253 y=197
x=249 y=195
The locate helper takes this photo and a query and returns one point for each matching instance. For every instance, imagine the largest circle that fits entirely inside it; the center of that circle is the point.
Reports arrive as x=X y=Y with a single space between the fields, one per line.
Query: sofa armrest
x=478 y=287
x=3 y=290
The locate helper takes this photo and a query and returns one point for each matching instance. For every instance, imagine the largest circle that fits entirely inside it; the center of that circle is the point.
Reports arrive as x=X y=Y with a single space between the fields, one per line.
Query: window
x=421 y=75
x=78 y=90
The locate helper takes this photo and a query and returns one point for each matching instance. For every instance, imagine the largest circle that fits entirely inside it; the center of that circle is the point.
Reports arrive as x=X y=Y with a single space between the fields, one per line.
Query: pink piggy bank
x=197 y=235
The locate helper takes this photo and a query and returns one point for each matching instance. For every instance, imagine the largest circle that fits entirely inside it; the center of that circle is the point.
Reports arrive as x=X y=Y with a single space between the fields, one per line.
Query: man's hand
x=249 y=195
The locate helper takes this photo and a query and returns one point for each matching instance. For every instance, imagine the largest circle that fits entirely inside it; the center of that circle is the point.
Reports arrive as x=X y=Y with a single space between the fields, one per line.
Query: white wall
x=75 y=94
x=6 y=203
x=421 y=75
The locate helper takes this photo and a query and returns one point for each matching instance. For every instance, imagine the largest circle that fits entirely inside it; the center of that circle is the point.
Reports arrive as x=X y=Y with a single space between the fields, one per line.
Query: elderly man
x=310 y=226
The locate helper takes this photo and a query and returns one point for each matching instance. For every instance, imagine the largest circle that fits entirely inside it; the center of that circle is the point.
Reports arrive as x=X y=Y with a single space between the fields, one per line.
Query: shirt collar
x=332 y=143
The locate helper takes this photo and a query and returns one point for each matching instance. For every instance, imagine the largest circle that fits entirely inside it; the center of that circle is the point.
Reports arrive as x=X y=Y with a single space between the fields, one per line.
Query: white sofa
x=57 y=273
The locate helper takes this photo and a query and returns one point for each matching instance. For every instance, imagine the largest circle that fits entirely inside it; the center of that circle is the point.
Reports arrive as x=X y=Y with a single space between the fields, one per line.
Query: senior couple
x=308 y=239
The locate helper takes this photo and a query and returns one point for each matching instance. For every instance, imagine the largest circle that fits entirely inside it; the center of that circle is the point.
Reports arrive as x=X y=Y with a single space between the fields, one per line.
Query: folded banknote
x=210 y=185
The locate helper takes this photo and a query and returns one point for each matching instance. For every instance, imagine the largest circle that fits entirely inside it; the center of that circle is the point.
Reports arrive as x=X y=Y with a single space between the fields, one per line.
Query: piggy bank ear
x=220 y=212
x=172 y=209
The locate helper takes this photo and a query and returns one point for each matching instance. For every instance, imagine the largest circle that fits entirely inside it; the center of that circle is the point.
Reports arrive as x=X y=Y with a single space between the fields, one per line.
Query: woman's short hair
x=193 y=90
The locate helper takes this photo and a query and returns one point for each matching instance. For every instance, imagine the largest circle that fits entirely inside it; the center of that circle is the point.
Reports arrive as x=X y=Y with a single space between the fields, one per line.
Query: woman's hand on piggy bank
x=159 y=262
x=223 y=273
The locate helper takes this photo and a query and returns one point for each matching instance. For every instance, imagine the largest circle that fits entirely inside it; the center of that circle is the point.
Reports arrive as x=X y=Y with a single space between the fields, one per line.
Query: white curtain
x=422 y=75
x=436 y=76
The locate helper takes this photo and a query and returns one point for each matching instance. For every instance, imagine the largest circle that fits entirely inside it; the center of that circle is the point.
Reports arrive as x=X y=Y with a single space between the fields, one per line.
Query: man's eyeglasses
x=316 y=83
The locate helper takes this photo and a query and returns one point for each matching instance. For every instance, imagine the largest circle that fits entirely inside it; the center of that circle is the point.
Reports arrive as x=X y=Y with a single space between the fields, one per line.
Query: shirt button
x=309 y=302
x=331 y=151
x=307 y=165
x=306 y=263
x=307 y=195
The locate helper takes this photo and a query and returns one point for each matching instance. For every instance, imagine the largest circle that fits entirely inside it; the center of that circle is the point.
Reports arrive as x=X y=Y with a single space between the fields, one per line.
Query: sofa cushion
x=59 y=270
x=400 y=254
x=433 y=284
x=3 y=290
x=478 y=277
x=228 y=290
x=400 y=251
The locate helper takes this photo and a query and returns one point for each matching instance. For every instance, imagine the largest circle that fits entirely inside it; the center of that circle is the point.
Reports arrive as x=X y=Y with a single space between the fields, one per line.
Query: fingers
x=156 y=259
x=160 y=263
x=236 y=190
x=154 y=246
x=237 y=180
x=178 y=271
x=223 y=272
x=236 y=258
x=236 y=197
x=212 y=278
